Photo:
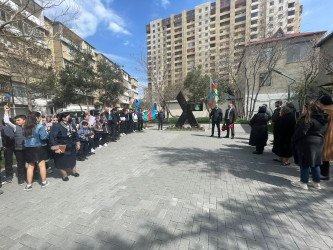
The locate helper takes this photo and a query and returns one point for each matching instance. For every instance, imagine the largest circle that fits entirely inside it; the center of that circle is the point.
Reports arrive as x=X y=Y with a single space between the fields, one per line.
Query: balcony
x=254 y=3
x=290 y=24
x=291 y=1
x=254 y=25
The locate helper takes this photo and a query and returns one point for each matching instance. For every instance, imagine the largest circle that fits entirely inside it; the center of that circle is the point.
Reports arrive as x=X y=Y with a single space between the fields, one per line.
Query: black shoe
x=212 y=136
x=76 y=175
x=80 y=159
x=226 y=137
x=324 y=178
x=219 y=136
x=20 y=182
x=1 y=192
x=257 y=153
x=65 y=178
x=9 y=179
x=232 y=137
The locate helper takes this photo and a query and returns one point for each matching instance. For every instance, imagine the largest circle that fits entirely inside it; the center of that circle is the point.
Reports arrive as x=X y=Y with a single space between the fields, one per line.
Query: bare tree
x=255 y=71
x=305 y=88
x=25 y=18
x=159 y=87
x=28 y=63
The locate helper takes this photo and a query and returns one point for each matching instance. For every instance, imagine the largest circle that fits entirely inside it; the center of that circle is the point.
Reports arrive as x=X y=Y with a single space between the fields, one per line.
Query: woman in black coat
x=308 y=143
x=64 y=134
x=259 y=131
x=284 y=128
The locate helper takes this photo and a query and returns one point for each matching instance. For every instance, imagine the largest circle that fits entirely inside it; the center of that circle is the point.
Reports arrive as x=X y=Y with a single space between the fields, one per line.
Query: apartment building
x=213 y=35
x=292 y=55
x=19 y=66
x=134 y=91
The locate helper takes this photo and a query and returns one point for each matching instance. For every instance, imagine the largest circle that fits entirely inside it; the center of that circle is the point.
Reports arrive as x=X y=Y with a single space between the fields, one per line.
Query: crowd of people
x=308 y=139
x=37 y=139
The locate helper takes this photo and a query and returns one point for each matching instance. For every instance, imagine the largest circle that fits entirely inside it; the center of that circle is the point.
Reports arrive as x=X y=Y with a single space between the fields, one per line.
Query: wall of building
x=325 y=76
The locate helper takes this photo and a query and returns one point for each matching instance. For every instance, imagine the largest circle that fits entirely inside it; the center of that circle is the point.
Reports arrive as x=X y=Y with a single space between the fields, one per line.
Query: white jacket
x=135 y=117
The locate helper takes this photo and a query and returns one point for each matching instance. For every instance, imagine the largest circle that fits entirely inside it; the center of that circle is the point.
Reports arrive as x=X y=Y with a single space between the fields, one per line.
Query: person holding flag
x=216 y=114
x=149 y=115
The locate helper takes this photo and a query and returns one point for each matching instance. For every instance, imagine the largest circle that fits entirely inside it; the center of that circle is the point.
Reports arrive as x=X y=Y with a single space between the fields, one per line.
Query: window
x=200 y=23
x=266 y=54
x=206 y=28
x=239 y=19
x=291 y=13
x=280 y=1
x=280 y=24
x=206 y=21
x=281 y=8
x=206 y=34
x=297 y=52
x=261 y=36
x=262 y=6
x=206 y=8
x=264 y=79
x=271 y=11
x=262 y=13
x=200 y=10
x=2 y=15
x=270 y=26
x=271 y=3
x=254 y=14
x=190 y=44
x=262 y=28
x=280 y=16
x=199 y=17
x=271 y=18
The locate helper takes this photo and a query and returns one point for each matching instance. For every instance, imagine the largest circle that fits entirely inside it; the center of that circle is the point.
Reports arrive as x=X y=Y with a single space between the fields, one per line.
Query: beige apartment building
x=213 y=35
x=293 y=55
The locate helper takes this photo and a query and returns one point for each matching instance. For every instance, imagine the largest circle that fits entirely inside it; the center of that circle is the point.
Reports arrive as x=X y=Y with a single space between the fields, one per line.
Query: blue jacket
x=38 y=138
x=140 y=115
x=84 y=132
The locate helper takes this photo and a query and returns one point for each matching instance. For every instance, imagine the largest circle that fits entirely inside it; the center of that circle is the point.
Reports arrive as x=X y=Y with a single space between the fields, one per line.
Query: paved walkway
x=170 y=190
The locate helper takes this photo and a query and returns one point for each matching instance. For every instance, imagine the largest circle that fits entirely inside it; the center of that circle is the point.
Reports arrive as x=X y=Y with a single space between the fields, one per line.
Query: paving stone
x=172 y=190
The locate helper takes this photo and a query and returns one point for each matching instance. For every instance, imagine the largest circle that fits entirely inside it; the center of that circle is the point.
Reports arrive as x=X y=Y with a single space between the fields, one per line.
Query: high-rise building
x=212 y=35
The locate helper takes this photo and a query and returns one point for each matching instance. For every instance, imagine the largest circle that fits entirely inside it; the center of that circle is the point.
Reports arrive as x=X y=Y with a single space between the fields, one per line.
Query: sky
x=116 y=28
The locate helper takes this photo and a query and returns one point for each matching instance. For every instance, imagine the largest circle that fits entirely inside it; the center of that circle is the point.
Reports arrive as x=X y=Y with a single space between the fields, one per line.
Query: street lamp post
x=289 y=85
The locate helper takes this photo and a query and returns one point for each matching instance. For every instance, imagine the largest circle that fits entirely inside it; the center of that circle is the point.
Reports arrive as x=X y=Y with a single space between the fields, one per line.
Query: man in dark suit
x=230 y=118
x=216 y=117
x=114 y=124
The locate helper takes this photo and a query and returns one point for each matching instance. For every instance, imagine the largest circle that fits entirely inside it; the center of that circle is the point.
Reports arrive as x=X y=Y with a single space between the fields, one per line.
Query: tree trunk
x=28 y=98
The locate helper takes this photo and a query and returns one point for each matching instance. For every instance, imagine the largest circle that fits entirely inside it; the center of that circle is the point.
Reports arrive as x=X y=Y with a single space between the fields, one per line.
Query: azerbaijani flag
x=135 y=105
x=8 y=99
x=150 y=114
x=213 y=97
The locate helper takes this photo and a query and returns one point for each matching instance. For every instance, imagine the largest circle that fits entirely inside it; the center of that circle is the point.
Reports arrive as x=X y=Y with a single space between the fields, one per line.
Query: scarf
x=68 y=127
